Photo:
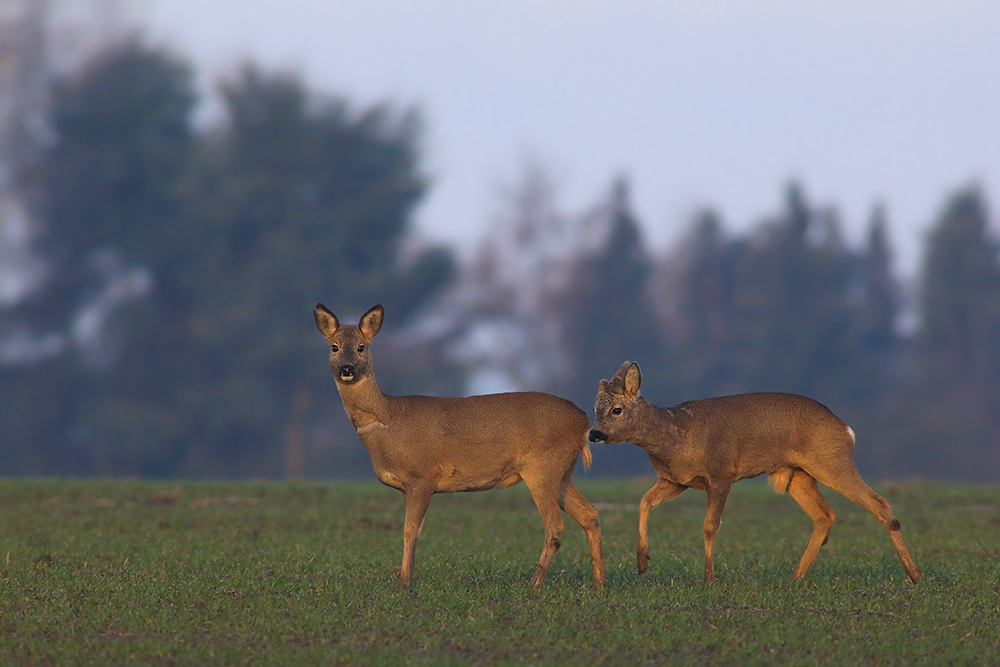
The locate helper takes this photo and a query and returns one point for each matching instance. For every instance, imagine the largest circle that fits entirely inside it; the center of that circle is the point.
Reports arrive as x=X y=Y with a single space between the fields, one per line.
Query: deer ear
x=326 y=321
x=622 y=370
x=371 y=322
x=633 y=378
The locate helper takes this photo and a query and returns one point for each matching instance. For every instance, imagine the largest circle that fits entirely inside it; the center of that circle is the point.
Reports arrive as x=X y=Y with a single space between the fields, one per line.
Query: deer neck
x=366 y=406
x=658 y=428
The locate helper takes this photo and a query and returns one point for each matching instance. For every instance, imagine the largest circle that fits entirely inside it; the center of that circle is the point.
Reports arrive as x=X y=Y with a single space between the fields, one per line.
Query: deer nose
x=347 y=372
x=598 y=436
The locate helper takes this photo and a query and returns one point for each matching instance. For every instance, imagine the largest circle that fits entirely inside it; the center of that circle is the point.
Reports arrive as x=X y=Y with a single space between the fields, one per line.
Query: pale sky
x=700 y=102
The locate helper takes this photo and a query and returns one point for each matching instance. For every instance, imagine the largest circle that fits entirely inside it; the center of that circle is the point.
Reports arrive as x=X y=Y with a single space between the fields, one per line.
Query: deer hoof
x=403 y=581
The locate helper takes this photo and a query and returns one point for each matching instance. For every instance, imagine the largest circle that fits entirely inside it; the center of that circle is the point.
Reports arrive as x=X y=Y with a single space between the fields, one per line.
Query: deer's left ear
x=633 y=378
x=371 y=322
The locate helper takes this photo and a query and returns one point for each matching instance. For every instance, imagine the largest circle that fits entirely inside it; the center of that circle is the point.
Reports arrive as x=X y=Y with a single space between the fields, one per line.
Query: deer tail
x=780 y=479
x=587 y=458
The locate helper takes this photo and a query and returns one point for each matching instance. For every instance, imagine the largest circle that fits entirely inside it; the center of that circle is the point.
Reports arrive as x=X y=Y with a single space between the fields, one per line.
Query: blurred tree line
x=789 y=306
x=171 y=333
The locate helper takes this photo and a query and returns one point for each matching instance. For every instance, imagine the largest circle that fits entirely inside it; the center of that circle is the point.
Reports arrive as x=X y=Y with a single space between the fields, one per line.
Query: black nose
x=347 y=372
x=598 y=436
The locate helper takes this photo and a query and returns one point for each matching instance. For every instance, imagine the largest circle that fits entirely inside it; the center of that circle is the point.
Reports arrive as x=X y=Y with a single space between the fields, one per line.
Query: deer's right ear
x=326 y=321
x=371 y=322
x=633 y=378
x=623 y=369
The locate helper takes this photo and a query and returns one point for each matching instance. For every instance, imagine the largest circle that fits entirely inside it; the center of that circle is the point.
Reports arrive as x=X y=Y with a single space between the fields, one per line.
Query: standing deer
x=711 y=443
x=423 y=445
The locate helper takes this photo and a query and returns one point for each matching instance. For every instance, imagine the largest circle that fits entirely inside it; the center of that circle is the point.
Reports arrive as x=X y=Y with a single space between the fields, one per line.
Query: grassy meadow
x=268 y=573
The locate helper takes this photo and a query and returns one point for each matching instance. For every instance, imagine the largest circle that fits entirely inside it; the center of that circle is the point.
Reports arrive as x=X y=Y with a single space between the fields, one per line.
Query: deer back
x=474 y=443
x=746 y=435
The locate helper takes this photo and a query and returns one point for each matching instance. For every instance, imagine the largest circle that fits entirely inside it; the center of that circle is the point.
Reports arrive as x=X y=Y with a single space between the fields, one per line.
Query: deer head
x=350 y=358
x=614 y=410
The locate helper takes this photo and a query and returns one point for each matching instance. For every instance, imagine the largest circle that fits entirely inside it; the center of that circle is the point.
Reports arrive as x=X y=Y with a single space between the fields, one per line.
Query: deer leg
x=662 y=491
x=717 y=494
x=848 y=482
x=545 y=493
x=584 y=514
x=416 y=501
x=802 y=488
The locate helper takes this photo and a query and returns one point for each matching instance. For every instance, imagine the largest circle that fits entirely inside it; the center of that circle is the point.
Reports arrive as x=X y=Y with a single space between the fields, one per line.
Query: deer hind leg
x=545 y=492
x=848 y=482
x=584 y=514
x=662 y=491
x=416 y=501
x=802 y=488
x=717 y=494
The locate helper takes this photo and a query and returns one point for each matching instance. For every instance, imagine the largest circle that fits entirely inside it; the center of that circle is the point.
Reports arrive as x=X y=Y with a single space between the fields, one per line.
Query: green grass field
x=262 y=573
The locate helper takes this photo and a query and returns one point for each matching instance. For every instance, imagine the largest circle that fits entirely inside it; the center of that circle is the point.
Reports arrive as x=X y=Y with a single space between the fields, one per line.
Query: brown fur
x=781 y=479
x=425 y=445
x=710 y=444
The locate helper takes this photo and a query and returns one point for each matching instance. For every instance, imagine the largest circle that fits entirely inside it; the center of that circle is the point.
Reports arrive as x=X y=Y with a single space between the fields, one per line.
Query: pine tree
x=609 y=318
x=793 y=318
x=877 y=339
x=297 y=200
x=956 y=392
x=108 y=197
x=697 y=291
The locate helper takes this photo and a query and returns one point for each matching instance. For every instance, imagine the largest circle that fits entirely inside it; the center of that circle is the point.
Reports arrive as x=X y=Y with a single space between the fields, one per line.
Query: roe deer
x=711 y=443
x=423 y=445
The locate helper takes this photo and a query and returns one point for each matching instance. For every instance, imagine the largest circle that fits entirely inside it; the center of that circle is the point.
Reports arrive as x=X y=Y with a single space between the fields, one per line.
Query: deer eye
x=616 y=411
x=361 y=348
x=335 y=347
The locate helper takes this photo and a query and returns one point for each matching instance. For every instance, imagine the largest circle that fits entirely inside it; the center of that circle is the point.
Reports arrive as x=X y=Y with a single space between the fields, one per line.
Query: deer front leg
x=717 y=494
x=416 y=501
x=663 y=490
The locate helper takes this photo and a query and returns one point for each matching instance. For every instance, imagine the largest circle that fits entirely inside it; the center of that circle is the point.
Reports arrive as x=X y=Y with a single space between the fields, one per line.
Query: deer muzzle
x=346 y=373
x=598 y=437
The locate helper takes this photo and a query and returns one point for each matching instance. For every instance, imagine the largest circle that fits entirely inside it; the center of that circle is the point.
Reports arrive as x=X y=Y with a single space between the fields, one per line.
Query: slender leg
x=545 y=492
x=416 y=501
x=584 y=514
x=717 y=494
x=662 y=491
x=804 y=491
x=848 y=482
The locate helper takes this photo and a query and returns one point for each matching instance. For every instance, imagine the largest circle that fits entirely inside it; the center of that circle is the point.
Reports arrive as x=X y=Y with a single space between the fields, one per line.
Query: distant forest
x=168 y=329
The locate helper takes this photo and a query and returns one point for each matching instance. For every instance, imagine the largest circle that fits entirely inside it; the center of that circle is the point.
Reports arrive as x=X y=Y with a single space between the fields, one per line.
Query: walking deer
x=423 y=445
x=711 y=443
